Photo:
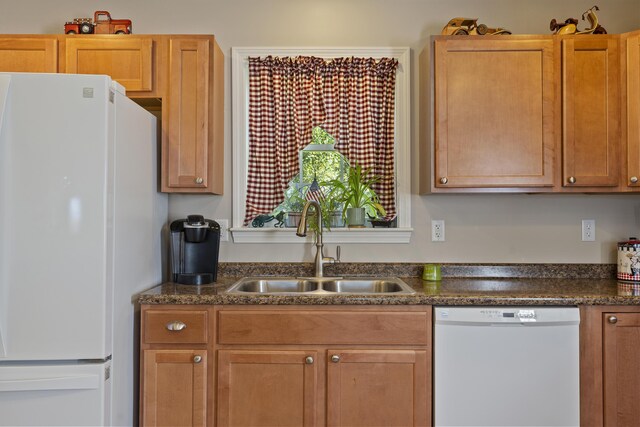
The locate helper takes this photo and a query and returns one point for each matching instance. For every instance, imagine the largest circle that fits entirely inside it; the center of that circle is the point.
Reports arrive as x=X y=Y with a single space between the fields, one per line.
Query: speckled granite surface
x=472 y=284
x=575 y=271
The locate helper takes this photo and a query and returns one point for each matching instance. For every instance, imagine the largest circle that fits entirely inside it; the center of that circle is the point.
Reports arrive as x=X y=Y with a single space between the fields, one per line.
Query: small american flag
x=315 y=192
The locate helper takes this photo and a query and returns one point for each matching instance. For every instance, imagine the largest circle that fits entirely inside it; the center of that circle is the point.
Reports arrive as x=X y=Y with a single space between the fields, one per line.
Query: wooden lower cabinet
x=283 y=387
x=176 y=365
x=377 y=387
x=272 y=387
x=315 y=366
x=174 y=388
x=610 y=366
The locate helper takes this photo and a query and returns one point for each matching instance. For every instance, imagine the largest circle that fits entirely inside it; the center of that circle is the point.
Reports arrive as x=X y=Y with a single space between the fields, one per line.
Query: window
x=402 y=147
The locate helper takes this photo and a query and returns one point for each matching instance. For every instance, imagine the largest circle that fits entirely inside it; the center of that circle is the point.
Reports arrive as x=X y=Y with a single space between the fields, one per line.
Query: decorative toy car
x=469 y=26
x=101 y=24
x=570 y=25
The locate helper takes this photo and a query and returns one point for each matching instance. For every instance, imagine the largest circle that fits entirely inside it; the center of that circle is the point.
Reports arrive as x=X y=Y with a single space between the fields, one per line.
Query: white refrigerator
x=81 y=223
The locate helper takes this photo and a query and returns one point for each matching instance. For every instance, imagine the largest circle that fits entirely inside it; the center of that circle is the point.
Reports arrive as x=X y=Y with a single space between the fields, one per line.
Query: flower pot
x=335 y=219
x=355 y=217
x=292 y=219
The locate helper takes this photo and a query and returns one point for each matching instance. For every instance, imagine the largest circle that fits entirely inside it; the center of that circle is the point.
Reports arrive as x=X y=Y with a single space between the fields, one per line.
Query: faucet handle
x=337 y=253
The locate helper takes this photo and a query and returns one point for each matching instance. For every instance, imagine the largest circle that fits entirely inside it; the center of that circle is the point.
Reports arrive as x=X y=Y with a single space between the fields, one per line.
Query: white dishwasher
x=506 y=366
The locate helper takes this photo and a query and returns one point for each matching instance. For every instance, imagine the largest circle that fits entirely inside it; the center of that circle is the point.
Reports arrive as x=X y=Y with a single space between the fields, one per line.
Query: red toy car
x=101 y=24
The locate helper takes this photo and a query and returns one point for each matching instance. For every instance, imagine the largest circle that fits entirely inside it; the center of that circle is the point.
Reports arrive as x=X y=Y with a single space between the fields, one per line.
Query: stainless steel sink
x=320 y=286
x=273 y=286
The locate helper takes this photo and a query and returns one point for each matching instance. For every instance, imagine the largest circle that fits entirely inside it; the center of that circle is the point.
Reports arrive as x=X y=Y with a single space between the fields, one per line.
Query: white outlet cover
x=588 y=230
x=437 y=230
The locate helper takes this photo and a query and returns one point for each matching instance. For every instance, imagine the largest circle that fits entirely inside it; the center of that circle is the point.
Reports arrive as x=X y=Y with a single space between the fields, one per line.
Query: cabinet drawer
x=175 y=326
x=323 y=327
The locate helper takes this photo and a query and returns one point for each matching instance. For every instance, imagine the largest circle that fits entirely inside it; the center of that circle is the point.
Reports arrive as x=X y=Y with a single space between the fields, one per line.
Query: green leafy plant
x=356 y=192
x=294 y=200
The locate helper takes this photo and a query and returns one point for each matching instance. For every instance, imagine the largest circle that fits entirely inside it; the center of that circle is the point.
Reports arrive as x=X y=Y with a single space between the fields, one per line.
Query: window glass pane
x=322 y=166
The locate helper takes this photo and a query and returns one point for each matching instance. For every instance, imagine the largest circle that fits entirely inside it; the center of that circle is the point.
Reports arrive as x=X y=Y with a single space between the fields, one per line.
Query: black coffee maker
x=195 y=243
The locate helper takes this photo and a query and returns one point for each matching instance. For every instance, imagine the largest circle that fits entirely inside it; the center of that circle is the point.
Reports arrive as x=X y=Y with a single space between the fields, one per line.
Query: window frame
x=240 y=146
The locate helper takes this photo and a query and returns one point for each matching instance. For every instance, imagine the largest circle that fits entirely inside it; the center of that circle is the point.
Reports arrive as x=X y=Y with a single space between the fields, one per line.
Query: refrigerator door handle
x=76 y=382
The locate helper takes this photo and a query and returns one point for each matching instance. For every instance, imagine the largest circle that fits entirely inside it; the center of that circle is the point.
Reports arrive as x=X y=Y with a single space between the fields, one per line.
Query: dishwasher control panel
x=493 y=315
x=506 y=315
x=522 y=315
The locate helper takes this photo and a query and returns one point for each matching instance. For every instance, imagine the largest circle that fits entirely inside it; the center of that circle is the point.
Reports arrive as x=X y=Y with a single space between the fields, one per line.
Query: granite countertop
x=506 y=286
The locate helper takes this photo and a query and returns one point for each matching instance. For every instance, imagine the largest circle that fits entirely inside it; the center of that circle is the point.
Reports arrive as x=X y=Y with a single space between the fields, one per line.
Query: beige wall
x=479 y=228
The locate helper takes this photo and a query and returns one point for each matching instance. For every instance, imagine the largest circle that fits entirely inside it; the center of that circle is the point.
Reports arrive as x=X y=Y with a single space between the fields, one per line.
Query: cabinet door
x=267 y=388
x=378 y=387
x=494 y=112
x=29 y=55
x=633 y=110
x=174 y=388
x=193 y=122
x=591 y=118
x=127 y=59
x=621 y=368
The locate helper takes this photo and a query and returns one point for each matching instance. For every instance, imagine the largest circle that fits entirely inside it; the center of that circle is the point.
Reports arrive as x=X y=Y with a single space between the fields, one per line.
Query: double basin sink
x=320 y=286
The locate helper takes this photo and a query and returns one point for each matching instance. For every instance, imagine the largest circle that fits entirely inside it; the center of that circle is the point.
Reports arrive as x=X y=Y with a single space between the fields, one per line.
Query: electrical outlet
x=588 y=230
x=224 y=229
x=437 y=230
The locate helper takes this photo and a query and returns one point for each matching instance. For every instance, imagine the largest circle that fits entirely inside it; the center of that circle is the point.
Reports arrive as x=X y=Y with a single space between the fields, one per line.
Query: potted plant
x=357 y=195
x=293 y=204
x=331 y=207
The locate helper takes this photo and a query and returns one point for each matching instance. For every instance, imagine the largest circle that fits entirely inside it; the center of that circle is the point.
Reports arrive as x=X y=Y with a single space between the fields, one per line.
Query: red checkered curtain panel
x=351 y=98
x=285 y=104
x=359 y=100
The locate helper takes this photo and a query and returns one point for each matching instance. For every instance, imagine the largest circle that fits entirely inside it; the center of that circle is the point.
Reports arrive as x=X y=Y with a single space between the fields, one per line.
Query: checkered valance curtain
x=351 y=98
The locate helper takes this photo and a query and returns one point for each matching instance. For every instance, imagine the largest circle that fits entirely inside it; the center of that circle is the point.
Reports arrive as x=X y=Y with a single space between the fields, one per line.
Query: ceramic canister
x=629 y=260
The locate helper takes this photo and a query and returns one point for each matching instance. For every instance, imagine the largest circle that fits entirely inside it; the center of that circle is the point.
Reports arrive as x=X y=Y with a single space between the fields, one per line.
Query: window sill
x=336 y=235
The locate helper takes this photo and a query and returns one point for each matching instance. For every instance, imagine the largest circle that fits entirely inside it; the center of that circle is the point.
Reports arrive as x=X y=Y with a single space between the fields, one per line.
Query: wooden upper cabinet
x=193 y=150
x=591 y=116
x=127 y=59
x=29 y=54
x=633 y=109
x=494 y=112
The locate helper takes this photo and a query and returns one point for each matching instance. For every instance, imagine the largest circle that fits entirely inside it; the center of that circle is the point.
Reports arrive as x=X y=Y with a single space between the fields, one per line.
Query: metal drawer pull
x=335 y=358
x=176 y=325
x=613 y=320
x=443 y=180
x=197 y=359
x=309 y=360
x=572 y=180
x=199 y=180
x=633 y=179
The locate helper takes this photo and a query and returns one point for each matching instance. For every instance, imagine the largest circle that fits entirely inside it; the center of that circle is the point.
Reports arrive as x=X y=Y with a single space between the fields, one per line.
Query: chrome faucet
x=320 y=259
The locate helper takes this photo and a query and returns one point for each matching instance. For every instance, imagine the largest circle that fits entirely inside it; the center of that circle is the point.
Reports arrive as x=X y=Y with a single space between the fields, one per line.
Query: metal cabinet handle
x=572 y=180
x=197 y=359
x=335 y=358
x=633 y=179
x=443 y=180
x=613 y=320
x=199 y=180
x=309 y=360
x=176 y=325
